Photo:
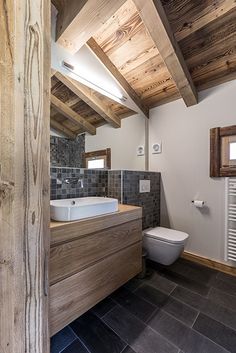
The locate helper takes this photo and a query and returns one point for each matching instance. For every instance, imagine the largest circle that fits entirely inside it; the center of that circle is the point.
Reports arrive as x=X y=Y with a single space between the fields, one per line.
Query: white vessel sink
x=74 y=209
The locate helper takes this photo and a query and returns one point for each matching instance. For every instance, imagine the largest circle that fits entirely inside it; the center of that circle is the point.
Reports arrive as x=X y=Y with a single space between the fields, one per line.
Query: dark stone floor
x=183 y=308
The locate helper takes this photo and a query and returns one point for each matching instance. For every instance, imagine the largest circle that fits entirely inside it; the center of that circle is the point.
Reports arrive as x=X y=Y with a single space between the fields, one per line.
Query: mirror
x=123 y=142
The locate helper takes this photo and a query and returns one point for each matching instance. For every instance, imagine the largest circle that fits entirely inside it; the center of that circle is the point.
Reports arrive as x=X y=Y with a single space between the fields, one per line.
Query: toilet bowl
x=164 y=245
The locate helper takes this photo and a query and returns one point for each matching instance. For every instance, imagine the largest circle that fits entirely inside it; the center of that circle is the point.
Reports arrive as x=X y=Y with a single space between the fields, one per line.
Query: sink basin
x=75 y=209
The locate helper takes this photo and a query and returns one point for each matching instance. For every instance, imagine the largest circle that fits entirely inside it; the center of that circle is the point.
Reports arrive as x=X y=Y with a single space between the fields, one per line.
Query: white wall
x=184 y=164
x=123 y=143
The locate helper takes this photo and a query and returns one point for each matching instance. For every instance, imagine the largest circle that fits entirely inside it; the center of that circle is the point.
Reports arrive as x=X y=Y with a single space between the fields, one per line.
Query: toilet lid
x=166 y=234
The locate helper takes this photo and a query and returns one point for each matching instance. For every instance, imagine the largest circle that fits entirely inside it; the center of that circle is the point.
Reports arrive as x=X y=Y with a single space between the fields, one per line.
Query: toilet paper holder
x=198 y=203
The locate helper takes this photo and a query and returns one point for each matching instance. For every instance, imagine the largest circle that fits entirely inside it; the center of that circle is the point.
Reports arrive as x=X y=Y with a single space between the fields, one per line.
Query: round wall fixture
x=157 y=148
x=140 y=151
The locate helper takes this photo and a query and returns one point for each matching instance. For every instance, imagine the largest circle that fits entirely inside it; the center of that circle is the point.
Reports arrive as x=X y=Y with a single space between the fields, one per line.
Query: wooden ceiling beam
x=215 y=11
x=104 y=59
x=62 y=129
x=156 y=22
x=87 y=95
x=77 y=21
x=72 y=115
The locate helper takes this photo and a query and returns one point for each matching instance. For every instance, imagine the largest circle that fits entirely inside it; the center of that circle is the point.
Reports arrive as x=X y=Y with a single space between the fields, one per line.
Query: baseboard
x=209 y=263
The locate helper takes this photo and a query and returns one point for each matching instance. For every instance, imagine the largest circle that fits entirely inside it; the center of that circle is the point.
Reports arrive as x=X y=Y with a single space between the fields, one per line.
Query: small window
x=232 y=151
x=223 y=152
x=97 y=159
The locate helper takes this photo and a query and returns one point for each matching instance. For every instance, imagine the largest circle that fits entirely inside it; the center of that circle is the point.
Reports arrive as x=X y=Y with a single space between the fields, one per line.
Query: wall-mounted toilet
x=164 y=245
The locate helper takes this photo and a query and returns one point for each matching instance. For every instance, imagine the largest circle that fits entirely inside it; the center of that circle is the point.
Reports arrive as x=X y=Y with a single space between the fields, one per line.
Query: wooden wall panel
x=24 y=175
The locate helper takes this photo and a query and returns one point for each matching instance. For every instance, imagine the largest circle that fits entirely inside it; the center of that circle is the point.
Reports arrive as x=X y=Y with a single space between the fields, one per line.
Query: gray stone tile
x=62 y=339
x=103 y=307
x=222 y=298
x=217 y=332
x=227 y=286
x=128 y=349
x=182 y=312
x=207 y=306
x=182 y=280
x=182 y=336
x=152 y=295
x=161 y=283
x=75 y=347
x=136 y=305
x=140 y=337
x=96 y=336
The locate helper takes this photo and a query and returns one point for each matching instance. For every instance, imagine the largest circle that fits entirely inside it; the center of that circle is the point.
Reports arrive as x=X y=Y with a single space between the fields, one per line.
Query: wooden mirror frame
x=103 y=154
x=216 y=136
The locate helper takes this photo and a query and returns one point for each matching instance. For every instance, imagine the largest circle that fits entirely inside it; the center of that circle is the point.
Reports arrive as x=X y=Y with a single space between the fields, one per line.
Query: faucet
x=73 y=181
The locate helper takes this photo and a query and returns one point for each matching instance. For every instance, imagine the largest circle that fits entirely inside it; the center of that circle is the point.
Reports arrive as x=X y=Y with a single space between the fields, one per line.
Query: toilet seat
x=167 y=235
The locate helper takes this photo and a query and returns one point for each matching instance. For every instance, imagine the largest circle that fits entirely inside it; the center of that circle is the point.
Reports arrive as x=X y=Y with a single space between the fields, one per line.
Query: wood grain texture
x=75 y=295
x=219 y=266
x=188 y=16
x=62 y=129
x=68 y=258
x=24 y=175
x=215 y=152
x=64 y=231
x=72 y=115
x=156 y=22
x=79 y=20
x=101 y=55
x=86 y=94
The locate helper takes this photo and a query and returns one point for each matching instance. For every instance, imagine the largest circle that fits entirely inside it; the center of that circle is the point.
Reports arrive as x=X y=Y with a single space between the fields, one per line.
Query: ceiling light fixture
x=117 y=96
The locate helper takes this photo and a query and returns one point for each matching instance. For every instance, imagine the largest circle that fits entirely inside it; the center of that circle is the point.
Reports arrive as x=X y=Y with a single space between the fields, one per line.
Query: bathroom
x=118 y=177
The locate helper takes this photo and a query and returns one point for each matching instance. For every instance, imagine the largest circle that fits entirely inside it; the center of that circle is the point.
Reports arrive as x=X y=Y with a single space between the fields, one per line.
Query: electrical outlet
x=144 y=186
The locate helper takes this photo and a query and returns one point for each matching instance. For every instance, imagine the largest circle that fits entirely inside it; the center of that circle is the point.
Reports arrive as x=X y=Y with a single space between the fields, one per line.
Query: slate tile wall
x=114 y=184
x=150 y=202
x=67 y=153
x=95 y=183
x=124 y=185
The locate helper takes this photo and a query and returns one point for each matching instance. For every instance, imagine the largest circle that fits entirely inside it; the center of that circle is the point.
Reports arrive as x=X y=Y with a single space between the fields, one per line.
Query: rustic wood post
x=24 y=175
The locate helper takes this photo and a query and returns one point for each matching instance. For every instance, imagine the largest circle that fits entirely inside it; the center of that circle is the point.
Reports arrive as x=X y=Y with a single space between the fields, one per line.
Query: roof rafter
x=77 y=21
x=86 y=94
x=72 y=115
x=156 y=22
x=104 y=59
x=215 y=11
x=62 y=129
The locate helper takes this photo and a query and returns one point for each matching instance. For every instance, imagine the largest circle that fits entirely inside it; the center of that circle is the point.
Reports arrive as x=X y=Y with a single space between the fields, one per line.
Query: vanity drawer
x=71 y=257
x=76 y=294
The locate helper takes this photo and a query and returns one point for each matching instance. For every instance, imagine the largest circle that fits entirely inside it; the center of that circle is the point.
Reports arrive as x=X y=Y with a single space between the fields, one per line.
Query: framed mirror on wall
x=223 y=151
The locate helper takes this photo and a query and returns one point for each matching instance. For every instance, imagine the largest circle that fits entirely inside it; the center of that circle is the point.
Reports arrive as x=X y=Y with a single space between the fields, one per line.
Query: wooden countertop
x=66 y=231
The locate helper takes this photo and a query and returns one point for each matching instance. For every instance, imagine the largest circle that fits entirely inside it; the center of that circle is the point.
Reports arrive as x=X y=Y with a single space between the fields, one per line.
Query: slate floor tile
x=223 y=298
x=136 y=305
x=140 y=337
x=62 y=339
x=161 y=283
x=182 y=336
x=103 y=307
x=133 y=284
x=96 y=336
x=181 y=311
x=75 y=347
x=184 y=281
x=217 y=332
x=207 y=306
x=152 y=295
x=226 y=277
x=229 y=287
x=128 y=350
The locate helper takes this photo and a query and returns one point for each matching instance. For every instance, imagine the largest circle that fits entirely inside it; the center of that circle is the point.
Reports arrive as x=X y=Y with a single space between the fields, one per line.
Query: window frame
x=216 y=136
x=99 y=154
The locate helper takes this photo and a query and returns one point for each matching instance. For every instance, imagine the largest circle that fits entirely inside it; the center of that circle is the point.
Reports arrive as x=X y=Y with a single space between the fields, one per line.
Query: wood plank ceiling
x=199 y=50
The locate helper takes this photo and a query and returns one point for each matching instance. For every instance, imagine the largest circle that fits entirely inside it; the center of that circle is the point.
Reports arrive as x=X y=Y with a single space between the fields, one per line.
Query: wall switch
x=144 y=186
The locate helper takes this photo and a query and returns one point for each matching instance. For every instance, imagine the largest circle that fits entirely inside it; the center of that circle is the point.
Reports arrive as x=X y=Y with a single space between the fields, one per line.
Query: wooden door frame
x=24 y=175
